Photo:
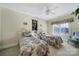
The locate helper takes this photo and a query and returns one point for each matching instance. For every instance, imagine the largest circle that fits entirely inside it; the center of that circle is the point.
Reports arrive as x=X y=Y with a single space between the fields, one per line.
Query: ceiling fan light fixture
x=49 y=11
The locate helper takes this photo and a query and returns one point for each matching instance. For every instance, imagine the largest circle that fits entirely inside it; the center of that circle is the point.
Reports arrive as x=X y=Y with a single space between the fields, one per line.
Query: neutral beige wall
x=74 y=26
x=12 y=22
x=43 y=24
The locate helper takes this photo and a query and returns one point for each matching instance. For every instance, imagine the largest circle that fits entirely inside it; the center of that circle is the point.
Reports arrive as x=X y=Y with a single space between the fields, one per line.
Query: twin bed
x=37 y=44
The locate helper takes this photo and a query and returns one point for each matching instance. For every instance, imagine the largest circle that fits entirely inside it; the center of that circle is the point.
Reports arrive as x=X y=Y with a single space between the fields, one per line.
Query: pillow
x=34 y=34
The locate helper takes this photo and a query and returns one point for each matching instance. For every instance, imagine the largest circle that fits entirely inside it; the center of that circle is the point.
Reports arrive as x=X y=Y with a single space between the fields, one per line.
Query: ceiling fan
x=49 y=10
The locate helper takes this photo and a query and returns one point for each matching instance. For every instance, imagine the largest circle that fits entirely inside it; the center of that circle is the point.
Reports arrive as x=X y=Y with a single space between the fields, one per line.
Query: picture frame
x=34 y=24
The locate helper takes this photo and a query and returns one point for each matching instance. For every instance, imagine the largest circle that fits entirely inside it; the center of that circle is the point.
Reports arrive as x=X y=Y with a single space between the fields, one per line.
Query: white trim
x=8 y=46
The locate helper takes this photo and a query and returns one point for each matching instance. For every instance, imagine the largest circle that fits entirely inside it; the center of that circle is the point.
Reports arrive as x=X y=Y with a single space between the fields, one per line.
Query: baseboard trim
x=8 y=46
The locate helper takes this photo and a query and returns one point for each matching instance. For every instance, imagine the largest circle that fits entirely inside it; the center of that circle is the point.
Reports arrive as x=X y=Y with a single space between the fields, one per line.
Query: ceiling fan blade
x=47 y=10
x=52 y=12
x=47 y=13
x=54 y=8
x=47 y=7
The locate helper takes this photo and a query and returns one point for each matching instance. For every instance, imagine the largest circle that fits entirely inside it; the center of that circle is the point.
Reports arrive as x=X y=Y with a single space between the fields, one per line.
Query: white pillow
x=34 y=34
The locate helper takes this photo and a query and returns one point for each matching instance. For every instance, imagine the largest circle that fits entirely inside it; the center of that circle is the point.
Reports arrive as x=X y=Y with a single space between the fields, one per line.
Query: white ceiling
x=38 y=9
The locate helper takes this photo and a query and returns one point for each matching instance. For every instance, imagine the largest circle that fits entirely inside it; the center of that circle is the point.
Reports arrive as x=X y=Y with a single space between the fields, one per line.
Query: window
x=60 y=29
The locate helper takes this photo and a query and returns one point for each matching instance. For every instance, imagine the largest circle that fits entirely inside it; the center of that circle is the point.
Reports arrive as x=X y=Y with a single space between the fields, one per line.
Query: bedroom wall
x=74 y=26
x=57 y=19
x=12 y=22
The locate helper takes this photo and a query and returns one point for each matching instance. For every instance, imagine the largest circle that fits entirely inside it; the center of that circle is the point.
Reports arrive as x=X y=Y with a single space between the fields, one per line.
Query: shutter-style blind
x=63 y=21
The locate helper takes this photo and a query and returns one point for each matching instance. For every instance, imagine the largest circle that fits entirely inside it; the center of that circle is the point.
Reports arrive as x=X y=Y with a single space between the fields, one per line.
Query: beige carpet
x=65 y=50
x=13 y=51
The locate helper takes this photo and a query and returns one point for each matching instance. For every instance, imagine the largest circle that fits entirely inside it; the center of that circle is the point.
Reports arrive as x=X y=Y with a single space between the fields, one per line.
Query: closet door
x=0 y=31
